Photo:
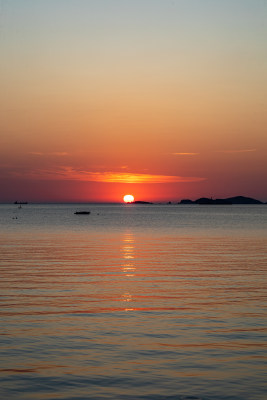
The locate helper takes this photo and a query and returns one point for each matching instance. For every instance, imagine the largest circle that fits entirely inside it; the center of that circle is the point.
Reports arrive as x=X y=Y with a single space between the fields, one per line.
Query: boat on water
x=82 y=212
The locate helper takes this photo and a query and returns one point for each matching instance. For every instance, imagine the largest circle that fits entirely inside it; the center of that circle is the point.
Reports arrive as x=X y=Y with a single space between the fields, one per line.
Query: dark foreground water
x=133 y=302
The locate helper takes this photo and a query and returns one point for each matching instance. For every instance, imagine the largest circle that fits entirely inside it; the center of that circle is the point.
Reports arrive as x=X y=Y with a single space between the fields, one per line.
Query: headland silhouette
x=211 y=201
x=227 y=201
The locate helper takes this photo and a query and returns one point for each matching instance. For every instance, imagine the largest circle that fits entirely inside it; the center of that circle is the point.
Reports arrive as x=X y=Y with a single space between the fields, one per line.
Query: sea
x=133 y=301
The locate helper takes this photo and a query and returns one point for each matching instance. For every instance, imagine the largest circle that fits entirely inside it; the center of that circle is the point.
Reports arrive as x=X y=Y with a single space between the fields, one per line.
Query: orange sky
x=164 y=100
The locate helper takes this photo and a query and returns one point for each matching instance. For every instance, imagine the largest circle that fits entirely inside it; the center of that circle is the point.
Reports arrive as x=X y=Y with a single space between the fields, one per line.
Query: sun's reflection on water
x=128 y=254
x=128 y=266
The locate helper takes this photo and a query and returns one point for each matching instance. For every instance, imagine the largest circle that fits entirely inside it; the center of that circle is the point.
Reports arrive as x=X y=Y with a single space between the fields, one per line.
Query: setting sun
x=128 y=198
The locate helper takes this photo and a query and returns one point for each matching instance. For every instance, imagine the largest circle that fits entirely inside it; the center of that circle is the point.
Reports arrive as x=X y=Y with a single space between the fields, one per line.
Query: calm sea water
x=156 y=302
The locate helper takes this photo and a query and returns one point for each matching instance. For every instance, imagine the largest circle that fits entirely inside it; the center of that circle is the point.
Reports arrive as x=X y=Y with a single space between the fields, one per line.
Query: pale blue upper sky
x=157 y=26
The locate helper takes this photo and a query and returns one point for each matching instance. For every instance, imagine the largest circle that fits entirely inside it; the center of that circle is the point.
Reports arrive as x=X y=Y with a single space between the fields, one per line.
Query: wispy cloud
x=137 y=178
x=70 y=173
x=59 y=153
x=35 y=153
x=54 y=153
x=237 y=151
x=184 y=154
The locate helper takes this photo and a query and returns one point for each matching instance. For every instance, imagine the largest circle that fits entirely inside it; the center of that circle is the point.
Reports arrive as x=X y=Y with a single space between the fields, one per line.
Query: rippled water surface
x=133 y=302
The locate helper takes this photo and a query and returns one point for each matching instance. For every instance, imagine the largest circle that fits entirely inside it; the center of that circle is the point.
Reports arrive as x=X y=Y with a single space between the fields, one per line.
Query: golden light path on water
x=128 y=265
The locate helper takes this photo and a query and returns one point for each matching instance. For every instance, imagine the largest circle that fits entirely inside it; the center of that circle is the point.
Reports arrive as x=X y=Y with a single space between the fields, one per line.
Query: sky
x=161 y=99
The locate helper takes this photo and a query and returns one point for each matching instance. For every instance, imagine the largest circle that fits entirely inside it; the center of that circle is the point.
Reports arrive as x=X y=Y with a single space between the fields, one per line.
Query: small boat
x=82 y=212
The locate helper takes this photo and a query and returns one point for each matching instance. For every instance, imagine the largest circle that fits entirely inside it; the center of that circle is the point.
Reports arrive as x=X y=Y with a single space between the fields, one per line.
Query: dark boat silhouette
x=82 y=212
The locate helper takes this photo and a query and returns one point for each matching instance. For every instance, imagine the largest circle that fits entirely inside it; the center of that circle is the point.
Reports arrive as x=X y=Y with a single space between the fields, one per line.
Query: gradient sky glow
x=164 y=99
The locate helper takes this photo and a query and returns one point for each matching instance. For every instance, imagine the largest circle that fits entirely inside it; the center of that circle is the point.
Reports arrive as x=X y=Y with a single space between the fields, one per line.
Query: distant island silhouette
x=229 y=200
x=211 y=201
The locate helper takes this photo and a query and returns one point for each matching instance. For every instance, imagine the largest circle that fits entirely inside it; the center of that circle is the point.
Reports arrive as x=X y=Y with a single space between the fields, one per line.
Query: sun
x=128 y=198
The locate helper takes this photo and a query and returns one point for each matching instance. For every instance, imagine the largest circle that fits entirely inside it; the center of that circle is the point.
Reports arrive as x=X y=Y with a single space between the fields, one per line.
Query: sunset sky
x=162 y=99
